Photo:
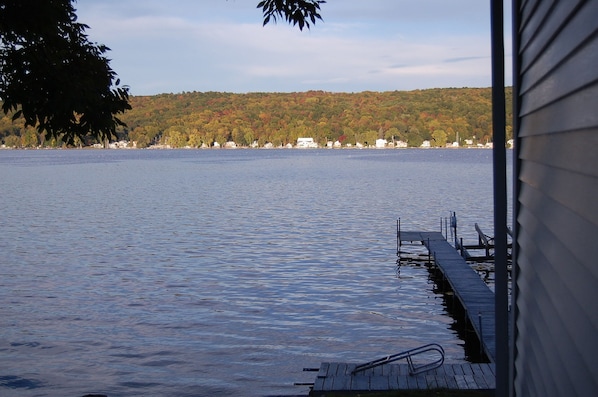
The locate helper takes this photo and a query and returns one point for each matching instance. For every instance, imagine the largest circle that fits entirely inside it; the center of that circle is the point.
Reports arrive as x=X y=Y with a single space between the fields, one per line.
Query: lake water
x=219 y=272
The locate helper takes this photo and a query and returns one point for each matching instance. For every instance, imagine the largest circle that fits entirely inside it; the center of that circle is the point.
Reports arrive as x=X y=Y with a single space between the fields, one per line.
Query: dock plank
x=379 y=383
x=431 y=381
x=441 y=381
x=342 y=380
x=489 y=375
x=449 y=371
x=323 y=371
x=471 y=384
x=461 y=382
x=359 y=383
x=330 y=375
x=402 y=372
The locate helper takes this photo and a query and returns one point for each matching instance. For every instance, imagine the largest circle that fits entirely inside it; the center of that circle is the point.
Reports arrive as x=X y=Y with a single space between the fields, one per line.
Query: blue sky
x=362 y=45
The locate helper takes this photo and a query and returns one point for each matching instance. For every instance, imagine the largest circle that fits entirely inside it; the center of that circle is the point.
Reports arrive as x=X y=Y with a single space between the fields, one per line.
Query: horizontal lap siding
x=556 y=348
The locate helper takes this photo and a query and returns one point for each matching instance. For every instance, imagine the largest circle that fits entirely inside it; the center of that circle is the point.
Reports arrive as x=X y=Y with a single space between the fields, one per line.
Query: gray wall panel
x=564 y=150
x=556 y=227
x=543 y=48
x=579 y=69
x=570 y=113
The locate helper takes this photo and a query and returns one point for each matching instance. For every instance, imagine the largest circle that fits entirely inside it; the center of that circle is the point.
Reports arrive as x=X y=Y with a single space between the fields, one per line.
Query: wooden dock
x=477 y=303
x=338 y=377
x=475 y=297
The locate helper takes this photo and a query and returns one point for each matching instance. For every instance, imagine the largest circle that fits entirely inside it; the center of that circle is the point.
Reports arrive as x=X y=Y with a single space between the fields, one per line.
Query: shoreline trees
x=195 y=118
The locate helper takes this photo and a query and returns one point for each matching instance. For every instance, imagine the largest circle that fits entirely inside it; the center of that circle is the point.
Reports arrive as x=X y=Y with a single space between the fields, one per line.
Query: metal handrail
x=407 y=355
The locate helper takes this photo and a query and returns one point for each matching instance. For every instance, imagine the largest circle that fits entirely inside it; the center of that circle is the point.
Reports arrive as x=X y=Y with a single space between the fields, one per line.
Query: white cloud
x=206 y=46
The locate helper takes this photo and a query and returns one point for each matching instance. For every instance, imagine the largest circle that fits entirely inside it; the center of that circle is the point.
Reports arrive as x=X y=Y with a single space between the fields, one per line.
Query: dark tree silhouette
x=296 y=12
x=52 y=76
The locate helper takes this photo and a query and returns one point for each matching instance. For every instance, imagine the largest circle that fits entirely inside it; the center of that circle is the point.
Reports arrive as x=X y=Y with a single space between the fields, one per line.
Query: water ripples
x=213 y=273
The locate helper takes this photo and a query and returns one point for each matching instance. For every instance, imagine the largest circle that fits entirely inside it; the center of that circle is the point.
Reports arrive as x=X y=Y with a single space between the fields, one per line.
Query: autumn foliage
x=195 y=118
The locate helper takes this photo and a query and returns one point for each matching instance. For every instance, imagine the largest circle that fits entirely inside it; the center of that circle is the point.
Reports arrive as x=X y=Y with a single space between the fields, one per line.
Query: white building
x=381 y=143
x=306 y=143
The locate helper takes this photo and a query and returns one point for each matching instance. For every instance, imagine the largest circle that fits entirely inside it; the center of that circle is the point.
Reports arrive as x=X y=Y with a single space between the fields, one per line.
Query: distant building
x=381 y=143
x=306 y=143
x=120 y=145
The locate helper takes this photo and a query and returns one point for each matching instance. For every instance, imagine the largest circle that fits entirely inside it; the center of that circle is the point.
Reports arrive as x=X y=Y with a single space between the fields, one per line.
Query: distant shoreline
x=2 y=147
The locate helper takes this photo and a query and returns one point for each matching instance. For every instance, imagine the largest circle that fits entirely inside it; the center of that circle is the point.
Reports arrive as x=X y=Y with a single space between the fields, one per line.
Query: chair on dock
x=484 y=241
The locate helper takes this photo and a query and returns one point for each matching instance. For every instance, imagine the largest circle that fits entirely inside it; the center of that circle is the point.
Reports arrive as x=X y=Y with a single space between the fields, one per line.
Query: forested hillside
x=195 y=118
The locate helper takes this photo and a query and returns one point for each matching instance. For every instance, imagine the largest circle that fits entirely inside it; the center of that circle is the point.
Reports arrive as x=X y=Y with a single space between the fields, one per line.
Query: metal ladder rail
x=408 y=355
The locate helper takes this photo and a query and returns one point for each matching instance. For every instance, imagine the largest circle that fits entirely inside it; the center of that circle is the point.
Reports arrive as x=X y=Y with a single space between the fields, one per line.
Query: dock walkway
x=476 y=298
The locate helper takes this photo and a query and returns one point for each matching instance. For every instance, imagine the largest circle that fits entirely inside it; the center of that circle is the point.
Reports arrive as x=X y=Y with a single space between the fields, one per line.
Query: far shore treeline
x=199 y=119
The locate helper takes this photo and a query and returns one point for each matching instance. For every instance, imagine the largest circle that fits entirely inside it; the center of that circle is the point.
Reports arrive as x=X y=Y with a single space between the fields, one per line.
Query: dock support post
x=429 y=252
x=454 y=225
x=398 y=237
x=481 y=334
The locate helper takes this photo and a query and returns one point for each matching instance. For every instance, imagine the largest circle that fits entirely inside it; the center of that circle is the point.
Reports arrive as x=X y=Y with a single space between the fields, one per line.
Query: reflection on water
x=205 y=273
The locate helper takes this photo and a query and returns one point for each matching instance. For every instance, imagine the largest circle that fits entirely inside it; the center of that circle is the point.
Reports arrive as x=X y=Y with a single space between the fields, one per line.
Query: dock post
x=398 y=236
x=429 y=252
x=454 y=224
x=481 y=334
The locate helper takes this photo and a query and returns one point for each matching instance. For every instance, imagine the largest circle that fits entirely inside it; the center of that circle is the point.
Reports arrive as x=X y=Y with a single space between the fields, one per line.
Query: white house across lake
x=306 y=143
